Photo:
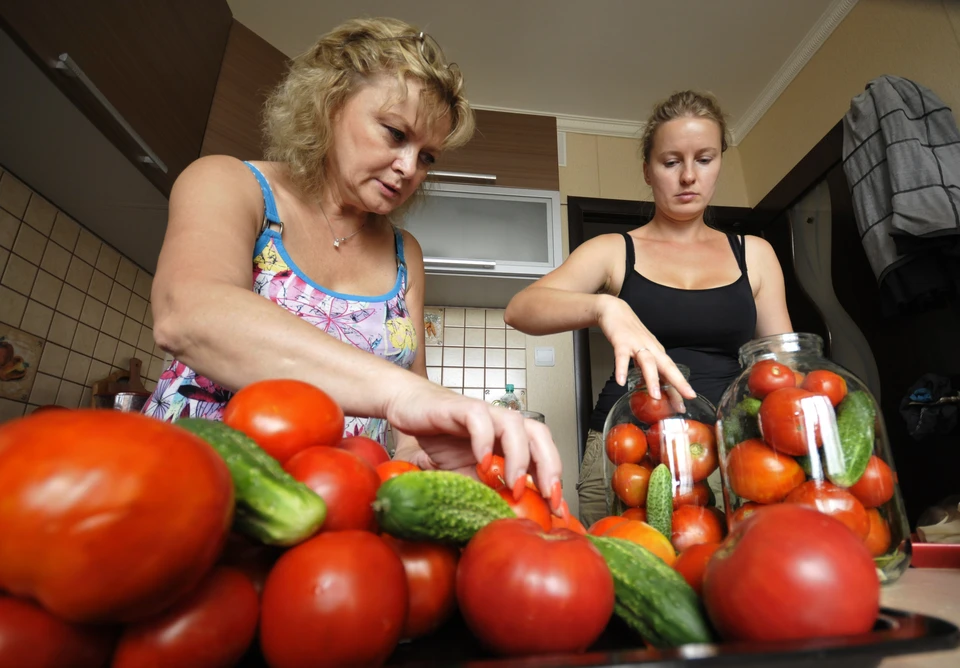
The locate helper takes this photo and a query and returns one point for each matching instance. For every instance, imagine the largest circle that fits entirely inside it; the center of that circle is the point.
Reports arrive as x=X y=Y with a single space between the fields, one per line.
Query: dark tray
x=896 y=632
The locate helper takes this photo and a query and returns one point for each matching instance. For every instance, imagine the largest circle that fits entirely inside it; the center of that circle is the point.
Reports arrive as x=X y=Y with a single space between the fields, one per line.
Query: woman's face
x=383 y=145
x=684 y=166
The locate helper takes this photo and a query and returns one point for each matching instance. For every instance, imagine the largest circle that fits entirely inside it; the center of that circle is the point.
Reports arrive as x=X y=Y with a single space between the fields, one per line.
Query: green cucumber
x=742 y=423
x=660 y=500
x=856 y=417
x=441 y=506
x=271 y=505
x=651 y=597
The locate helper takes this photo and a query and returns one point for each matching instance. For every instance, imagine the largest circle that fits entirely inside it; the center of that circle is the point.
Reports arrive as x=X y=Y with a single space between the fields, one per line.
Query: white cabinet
x=470 y=230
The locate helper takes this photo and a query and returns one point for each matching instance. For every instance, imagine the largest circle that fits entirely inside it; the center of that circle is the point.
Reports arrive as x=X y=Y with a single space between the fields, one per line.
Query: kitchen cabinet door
x=144 y=72
x=252 y=67
x=517 y=150
x=486 y=231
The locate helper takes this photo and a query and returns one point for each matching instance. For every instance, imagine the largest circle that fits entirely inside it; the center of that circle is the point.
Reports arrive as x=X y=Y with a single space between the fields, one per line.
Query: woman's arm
x=769 y=294
x=580 y=294
x=208 y=317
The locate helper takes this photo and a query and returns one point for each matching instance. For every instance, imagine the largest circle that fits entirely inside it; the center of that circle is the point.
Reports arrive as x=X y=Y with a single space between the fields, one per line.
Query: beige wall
x=88 y=305
x=919 y=40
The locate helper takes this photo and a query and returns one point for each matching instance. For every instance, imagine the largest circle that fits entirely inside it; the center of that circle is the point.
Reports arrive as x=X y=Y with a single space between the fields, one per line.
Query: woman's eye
x=396 y=134
x=427 y=158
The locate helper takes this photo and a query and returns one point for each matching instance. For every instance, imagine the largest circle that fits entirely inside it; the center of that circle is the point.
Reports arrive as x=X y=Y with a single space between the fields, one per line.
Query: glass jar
x=796 y=427
x=674 y=431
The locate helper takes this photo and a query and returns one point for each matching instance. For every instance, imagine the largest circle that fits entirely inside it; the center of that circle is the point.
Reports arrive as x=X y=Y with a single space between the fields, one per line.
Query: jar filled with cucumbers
x=659 y=454
x=796 y=427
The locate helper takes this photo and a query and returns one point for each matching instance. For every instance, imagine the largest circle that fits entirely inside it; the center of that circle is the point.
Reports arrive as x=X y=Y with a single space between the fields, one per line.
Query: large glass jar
x=796 y=427
x=641 y=432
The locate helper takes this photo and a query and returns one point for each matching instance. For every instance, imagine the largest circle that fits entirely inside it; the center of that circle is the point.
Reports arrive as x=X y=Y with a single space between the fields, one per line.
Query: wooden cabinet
x=144 y=72
x=252 y=67
x=520 y=150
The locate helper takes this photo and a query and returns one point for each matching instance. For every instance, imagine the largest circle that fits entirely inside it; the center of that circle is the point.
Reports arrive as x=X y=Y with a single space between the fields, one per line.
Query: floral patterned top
x=380 y=325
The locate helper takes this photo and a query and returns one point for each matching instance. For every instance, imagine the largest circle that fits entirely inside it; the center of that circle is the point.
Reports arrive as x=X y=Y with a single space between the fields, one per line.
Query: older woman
x=292 y=268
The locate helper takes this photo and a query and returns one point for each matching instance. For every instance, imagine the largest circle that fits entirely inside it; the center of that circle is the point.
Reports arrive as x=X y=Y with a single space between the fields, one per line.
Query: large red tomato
x=431 y=570
x=649 y=410
x=368 y=449
x=31 y=636
x=769 y=375
x=604 y=524
x=790 y=572
x=135 y=511
x=791 y=420
x=692 y=564
x=531 y=505
x=759 y=474
x=347 y=484
x=523 y=591
x=875 y=486
x=687 y=447
x=693 y=525
x=625 y=444
x=834 y=501
x=697 y=494
x=828 y=383
x=212 y=627
x=285 y=416
x=337 y=599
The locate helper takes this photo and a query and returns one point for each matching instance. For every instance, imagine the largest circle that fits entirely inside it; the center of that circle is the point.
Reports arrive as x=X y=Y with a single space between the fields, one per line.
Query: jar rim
x=786 y=342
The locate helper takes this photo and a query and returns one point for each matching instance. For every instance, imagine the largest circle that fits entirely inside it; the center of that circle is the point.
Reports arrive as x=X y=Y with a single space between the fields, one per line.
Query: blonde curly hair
x=682 y=104
x=298 y=115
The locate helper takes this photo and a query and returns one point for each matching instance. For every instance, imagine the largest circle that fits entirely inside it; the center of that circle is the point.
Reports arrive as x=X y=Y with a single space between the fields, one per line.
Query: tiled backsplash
x=473 y=352
x=88 y=304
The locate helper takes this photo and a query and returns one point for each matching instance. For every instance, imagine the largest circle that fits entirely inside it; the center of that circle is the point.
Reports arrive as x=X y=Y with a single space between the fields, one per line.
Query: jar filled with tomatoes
x=796 y=427
x=659 y=454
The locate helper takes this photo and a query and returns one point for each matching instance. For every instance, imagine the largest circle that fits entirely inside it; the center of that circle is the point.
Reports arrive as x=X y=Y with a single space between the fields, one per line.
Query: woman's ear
x=646 y=173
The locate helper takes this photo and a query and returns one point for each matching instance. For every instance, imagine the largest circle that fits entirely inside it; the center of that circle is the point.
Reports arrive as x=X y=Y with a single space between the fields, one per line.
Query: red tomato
x=834 y=501
x=693 y=525
x=431 y=570
x=649 y=410
x=393 y=468
x=523 y=591
x=635 y=514
x=212 y=627
x=643 y=534
x=790 y=572
x=136 y=510
x=495 y=476
x=800 y=378
x=368 y=449
x=687 y=447
x=875 y=486
x=743 y=512
x=568 y=521
x=337 y=599
x=692 y=564
x=31 y=636
x=832 y=385
x=630 y=482
x=626 y=444
x=759 y=474
x=769 y=375
x=531 y=506
x=347 y=484
x=602 y=525
x=285 y=416
x=697 y=494
x=791 y=419
x=878 y=538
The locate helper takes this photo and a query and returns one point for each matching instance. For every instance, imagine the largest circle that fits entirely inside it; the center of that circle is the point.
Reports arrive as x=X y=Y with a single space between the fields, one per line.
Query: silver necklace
x=336 y=239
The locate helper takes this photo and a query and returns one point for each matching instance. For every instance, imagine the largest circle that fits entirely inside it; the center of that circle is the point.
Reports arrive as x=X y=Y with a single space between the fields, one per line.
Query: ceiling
x=598 y=66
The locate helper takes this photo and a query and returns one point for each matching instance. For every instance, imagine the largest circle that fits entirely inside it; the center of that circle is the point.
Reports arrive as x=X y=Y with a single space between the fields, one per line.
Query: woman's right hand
x=457 y=432
x=631 y=340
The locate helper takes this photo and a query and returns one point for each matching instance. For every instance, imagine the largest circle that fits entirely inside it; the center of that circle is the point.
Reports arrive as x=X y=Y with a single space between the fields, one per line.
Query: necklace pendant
x=336 y=243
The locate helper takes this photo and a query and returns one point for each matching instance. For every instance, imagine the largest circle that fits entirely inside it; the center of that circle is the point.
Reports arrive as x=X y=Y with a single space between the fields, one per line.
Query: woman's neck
x=669 y=229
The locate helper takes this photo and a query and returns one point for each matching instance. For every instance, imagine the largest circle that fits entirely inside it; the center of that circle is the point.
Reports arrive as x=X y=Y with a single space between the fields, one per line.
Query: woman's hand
x=632 y=340
x=455 y=433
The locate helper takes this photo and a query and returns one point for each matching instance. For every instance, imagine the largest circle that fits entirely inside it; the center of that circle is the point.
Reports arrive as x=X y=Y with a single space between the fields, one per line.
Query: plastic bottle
x=510 y=400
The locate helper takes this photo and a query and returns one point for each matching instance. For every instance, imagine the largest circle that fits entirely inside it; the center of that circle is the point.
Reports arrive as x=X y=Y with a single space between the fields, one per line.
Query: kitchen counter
x=929 y=591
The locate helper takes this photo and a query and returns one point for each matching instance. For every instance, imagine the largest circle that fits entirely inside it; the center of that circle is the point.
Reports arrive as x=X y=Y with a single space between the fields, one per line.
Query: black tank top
x=701 y=329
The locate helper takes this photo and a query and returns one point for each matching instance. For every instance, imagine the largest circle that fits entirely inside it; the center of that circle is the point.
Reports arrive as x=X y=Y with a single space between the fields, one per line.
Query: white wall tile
x=30 y=244
x=10 y=410
x=36 y=319
x=77 y=368
x=44 y=390
x=12 y=306
x=14 y=195
x=40 y=214
x=66 y=231
x=19 y=274
x=452 y=317
x=79 y=273
x=69 y=394
x=46 y=289
x=474 y=317
x=9 y=228
x=56 y=260
x=62 y=330
x=53 y=360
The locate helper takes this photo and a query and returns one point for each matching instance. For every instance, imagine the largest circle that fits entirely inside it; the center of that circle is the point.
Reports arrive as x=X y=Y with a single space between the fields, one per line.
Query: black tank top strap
x=739 y=246
x=631 y=257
